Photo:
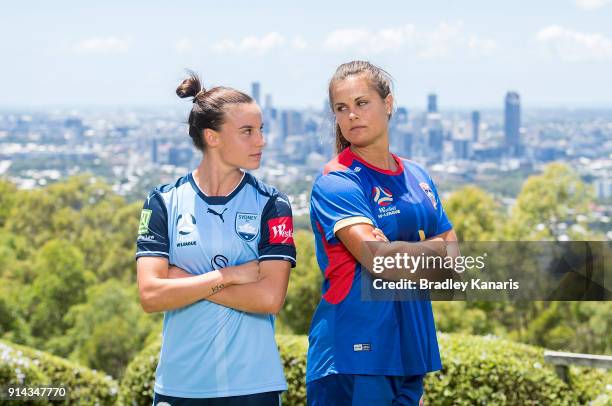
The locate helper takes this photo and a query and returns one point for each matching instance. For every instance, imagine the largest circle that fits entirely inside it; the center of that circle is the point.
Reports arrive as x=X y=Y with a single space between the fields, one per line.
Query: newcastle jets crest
x=247 y=226
x=427 y=189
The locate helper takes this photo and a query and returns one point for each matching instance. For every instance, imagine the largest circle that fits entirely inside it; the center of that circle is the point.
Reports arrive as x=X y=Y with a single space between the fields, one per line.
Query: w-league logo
x=382 y=196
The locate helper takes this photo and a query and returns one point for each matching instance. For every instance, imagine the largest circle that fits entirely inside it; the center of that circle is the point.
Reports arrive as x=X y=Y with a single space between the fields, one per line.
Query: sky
x=555 y=53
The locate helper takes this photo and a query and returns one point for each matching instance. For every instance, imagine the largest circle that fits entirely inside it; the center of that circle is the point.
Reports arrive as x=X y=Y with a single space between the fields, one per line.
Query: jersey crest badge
x=247 y=226
x=429 y=193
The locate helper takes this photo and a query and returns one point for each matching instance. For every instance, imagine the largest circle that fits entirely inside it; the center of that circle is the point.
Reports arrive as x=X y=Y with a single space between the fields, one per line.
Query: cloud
x=103 y=45
x=299 y=43
x=592 y=4
x=258 y=45
x=575 y=46
x=424 y=44
x=184 y=46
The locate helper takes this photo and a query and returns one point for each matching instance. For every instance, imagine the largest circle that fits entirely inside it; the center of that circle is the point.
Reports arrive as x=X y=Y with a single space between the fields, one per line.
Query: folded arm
x=158 y=293
x=265 y=296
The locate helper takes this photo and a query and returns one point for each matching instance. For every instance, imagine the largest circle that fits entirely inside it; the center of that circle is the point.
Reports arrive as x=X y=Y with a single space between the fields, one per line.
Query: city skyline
x=557 y=55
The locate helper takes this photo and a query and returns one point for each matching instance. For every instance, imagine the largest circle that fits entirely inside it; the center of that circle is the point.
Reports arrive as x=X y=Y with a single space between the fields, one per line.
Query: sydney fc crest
x=427 y=189
x=247 y=226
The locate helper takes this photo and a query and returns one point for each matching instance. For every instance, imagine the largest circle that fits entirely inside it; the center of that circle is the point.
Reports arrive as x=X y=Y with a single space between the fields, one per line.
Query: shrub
x=476 y=371
x=27 y=366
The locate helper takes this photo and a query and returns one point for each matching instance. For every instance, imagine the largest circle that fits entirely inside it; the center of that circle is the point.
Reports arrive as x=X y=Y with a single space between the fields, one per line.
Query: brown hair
x=208 y=109
x=379 y=78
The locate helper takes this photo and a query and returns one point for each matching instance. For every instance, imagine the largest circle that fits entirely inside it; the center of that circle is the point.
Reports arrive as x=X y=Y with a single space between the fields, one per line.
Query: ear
x=389 y=105
x=211 y=137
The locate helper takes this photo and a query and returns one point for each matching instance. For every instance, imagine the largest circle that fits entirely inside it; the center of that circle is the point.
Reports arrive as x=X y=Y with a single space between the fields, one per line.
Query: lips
x=257 y=156
x=358 y=127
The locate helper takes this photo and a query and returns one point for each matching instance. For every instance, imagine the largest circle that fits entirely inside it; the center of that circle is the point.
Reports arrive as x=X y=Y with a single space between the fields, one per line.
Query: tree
x=473 y=214
x=557 y=195
x=59 y=284
x=107 y=329
x=304 y=290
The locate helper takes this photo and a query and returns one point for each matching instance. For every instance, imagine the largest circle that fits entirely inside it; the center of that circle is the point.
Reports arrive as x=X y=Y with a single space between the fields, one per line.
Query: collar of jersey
x=398 y=161
x=217 y=200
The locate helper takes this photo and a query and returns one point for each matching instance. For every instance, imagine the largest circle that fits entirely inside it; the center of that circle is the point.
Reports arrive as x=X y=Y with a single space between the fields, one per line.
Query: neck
x=376 y=154
x=215 y=178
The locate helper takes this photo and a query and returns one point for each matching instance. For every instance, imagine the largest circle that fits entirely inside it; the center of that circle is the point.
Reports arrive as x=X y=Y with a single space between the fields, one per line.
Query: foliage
x=304 y=286
x=488 y=370
x=473 y=214
x=138 y=381
x=23 y=365
x=476 y=370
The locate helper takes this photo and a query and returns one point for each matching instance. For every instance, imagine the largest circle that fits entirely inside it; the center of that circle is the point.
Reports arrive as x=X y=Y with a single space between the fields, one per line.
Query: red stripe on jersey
x=340 y=162
x=340 y=270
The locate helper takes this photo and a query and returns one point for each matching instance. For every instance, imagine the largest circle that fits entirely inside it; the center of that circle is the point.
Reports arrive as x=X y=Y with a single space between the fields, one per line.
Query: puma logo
x=211 y=211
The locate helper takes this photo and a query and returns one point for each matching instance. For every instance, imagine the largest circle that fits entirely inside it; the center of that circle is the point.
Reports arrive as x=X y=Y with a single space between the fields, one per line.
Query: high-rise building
x=292 y=123
x=268 y=105
x=435 y=137
x=154 y=153
x=512 y=122
x=475 y=125
x=432 y=103
x=256 y=91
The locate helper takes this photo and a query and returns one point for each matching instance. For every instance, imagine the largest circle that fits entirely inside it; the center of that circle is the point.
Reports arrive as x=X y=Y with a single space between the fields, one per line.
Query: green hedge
x=137 y=384
x=20 y=365
x=476 y=371
x=487 y=370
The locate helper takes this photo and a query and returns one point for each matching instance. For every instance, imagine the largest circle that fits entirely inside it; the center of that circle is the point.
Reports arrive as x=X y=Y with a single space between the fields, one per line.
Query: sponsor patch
x=145 y=217
x=362 y=347
x=281 y=230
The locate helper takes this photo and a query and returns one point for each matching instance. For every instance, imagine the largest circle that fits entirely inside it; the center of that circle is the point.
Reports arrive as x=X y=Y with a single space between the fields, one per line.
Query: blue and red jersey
x=349 y=335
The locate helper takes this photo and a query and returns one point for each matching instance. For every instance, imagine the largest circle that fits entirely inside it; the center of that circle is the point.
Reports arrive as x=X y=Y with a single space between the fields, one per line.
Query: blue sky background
x=69 y=53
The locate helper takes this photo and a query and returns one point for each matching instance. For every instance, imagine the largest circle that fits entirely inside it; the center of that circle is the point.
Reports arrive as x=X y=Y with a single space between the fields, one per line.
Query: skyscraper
x=255 y=92
x=512 y=122
x=432 y=103
x=475 y=125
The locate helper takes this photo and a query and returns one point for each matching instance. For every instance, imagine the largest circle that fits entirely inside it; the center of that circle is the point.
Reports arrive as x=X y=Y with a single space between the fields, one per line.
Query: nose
x=261 y=141
x=352 y=115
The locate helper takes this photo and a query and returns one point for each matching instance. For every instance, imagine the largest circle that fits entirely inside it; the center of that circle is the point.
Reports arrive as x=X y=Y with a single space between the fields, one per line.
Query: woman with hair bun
x=370 y=352
x=214 y=251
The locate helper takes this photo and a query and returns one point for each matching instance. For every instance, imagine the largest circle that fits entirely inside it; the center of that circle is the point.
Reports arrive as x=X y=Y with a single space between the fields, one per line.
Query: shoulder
x=263 y=188
x=337 y=173
x=415 y=169
x=162 y=192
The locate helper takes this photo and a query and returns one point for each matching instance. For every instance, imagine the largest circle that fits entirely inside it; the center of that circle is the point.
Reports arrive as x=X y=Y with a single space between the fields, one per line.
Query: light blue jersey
x=209 y=350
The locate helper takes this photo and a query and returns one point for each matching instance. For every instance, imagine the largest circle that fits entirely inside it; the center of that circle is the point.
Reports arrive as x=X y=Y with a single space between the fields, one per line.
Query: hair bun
x=189 y=87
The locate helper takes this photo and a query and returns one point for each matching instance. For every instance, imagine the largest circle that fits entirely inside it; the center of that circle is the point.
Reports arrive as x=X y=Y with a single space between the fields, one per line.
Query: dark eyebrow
x=247 y=126
x=360 y=97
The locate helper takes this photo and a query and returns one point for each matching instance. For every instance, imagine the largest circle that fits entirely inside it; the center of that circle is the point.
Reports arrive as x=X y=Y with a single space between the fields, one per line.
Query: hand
x=379 y=235
x=245 y=273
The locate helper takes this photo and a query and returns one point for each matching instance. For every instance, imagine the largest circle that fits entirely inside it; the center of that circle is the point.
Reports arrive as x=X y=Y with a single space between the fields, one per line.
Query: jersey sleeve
x=338 y=201
x=152 y=238
x=444 y=223
x=276 y=241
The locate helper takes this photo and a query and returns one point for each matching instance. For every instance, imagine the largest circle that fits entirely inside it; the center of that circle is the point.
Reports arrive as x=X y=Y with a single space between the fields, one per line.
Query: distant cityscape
x=494 y=149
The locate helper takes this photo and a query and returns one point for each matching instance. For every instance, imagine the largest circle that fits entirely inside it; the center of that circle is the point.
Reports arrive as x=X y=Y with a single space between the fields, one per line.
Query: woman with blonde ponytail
x=369 y=352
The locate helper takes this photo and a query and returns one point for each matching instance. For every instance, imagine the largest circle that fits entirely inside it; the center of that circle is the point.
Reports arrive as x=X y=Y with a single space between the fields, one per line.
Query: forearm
x=265 y=295
x=163 y=294
x=257 y=297
x=408 y=260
